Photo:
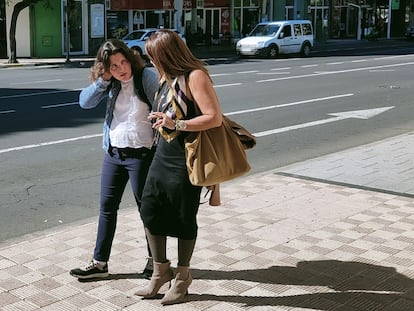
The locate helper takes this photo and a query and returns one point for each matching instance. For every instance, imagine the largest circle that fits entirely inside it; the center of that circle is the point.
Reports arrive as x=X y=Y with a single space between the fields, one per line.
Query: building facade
x=82 y=25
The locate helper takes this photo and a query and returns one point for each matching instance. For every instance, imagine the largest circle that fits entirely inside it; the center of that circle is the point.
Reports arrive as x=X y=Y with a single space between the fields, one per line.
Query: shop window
x=237 y=23
x=138 y=20
x=117 y=23
x=151 y=20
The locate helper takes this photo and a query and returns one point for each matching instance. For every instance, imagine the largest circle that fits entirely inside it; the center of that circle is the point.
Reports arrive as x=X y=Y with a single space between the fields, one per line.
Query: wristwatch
x=180 y=125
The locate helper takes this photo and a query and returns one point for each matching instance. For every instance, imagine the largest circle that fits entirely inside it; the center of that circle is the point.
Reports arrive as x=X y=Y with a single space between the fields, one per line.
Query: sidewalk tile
x=276 y=243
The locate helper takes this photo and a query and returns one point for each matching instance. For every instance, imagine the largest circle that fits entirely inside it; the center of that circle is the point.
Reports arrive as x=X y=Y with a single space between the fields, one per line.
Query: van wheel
x=273 y=51
x=306 y=50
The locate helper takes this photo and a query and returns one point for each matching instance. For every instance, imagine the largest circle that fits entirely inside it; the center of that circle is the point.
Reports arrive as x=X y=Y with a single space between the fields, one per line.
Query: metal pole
x=178 y=8
x=271 y=10
x=67 y=33
x=295 y=9
x=389 y=19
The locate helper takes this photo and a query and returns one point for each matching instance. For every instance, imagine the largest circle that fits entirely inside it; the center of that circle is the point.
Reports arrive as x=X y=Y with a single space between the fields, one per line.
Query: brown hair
x=112 y=47
x=171 y=56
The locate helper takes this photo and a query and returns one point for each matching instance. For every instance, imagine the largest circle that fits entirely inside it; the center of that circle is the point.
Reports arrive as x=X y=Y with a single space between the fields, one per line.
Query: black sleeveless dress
x=169 y=201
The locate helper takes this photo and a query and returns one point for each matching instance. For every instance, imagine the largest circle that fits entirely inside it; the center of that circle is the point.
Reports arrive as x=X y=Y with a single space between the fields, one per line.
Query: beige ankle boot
x=179 y=287
x=161 y=275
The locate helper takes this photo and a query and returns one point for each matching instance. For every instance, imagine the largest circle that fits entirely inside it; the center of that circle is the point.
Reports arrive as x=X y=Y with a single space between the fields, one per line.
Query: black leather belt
x=124 y=153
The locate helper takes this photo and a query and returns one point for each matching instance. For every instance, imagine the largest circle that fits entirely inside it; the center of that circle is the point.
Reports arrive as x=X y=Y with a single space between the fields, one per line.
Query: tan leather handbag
x=216 y=155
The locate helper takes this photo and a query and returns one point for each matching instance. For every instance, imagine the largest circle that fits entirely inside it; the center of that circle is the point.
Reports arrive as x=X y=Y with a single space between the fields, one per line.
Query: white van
x=273 y=38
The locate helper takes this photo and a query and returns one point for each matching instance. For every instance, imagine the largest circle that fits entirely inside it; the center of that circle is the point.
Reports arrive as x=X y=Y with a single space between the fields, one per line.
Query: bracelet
x=180 y=125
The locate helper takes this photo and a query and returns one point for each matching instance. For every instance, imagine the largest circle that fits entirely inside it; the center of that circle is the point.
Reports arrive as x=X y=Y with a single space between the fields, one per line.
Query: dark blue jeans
x=119 y=166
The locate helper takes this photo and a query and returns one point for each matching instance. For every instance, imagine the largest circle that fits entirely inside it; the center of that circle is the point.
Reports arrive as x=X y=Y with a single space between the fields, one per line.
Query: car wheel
x=306 y=50
x=138 y=49
x=273 y=51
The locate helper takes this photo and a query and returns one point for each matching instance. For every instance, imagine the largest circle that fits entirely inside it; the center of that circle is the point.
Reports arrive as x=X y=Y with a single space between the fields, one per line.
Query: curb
x=212 y=53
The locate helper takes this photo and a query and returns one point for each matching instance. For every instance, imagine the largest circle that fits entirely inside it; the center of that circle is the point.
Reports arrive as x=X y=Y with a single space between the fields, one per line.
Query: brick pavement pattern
x=276 y=243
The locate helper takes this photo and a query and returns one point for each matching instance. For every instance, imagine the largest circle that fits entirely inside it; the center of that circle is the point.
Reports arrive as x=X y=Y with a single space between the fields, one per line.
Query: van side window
x=307 y=29
x=297 y=29
x=287 y=31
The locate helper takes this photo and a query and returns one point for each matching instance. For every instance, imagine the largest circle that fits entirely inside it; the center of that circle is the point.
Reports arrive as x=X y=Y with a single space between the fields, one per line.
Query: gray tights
x=158 y=246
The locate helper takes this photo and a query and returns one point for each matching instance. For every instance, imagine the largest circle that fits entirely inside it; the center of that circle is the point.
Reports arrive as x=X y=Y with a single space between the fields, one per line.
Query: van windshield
x=264 y=31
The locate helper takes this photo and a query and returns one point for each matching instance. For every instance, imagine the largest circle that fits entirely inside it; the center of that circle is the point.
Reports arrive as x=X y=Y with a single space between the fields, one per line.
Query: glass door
x=212 y=26
x=75 y=29
x=319 y=16
x=289 y=10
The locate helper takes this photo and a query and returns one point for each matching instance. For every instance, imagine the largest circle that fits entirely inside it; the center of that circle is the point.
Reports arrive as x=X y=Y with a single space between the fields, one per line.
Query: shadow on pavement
x=347 y=284
x=32 y=115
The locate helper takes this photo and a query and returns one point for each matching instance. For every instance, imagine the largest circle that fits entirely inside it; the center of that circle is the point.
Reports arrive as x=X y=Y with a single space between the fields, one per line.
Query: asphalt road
x=50 y=154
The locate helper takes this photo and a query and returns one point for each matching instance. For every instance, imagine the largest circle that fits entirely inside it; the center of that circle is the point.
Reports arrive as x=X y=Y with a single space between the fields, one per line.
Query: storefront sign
x=97 y=21
x=167 y=4
x=141 y=5
x=188 y=4
x=119 y=4
x=160 y=4
x=395 y=5
x=216 y=3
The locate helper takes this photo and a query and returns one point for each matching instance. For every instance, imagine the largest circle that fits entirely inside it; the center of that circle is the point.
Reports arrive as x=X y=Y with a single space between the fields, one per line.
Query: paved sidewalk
x=277 y=243
x=385 y=166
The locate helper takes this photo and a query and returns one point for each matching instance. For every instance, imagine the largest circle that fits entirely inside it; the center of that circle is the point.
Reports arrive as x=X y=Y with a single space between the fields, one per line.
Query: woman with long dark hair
x=169 y=201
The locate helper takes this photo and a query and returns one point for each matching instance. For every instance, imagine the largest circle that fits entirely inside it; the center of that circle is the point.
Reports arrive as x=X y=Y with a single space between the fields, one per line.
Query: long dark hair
x=112 y=47
x=171 y=56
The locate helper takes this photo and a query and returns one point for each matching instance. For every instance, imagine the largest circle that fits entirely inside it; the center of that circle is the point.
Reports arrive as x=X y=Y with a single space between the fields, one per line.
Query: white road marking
x=34 y=82
x=38 y=93
x=7 y=111
x=251 y=71
x=338 y=116
x=220 y=74
x=230 y=113
x=289 y=104
x=274 y=73
x=60 y=105
x=231 y=84
x=335 y=72
x=49 y=143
